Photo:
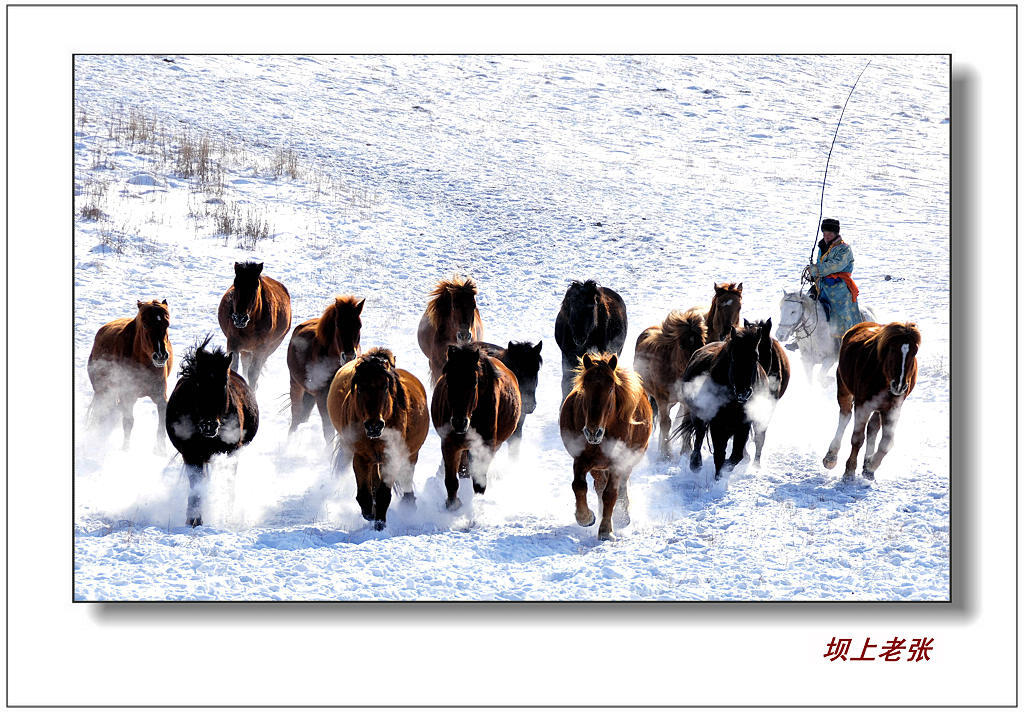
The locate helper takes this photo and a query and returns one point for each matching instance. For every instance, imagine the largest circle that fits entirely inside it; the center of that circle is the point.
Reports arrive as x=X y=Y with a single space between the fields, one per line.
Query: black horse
x=212 y=410
x=524 y=361
x=775 y=362
x=718 y=384
x=592 y=319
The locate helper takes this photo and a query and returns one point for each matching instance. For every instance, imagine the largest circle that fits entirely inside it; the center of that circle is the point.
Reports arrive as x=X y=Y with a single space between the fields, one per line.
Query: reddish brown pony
x=475 y=408
x=877 y=371
x=606 y=421
x=725 y=310
x=317 y=349
x=451 y=317
x=662 y=353
x=380 y=414
x=131 y=359
x=255 y=315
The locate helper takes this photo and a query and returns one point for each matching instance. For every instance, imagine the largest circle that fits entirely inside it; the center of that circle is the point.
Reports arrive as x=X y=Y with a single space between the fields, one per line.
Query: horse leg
x=665 y=424
x=620 y=516
x=302 y=405
x=196 y=485
x=160 y=447
x=404 y=481
x=759 y=434
x=719 y=440
x=568 y=375
x=363 y=468
x=381 y=498
x=888 y=426
x=608 y=499
x=255 y=367
x=127 y=420
x=700 y=429
x=860 y=420
x=325 y=416
x=739 y=445
x=478 y=468
x=584 y=515
x=845 y=399
x=874 y=423
x=515 y=440
x=451 y=453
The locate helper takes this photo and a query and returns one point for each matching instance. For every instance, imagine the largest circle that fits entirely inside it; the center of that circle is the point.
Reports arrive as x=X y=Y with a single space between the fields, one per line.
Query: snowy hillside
x=378 y=176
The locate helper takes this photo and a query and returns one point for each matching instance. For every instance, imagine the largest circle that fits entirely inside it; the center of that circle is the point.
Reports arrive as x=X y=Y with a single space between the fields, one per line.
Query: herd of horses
x=724 y=375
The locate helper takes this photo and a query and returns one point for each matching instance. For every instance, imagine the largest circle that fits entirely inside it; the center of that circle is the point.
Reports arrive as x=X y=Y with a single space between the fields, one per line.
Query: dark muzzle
x=347 y=356
x=374 y=428
x=160 y=359
x=208 y=428
x=594 y=436
x=896 y=389
x=240 y=320
x=463 y=336
x=460 y=425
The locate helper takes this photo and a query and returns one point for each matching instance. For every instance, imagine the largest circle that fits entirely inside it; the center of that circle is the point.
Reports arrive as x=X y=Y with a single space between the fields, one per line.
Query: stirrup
x=791 y=346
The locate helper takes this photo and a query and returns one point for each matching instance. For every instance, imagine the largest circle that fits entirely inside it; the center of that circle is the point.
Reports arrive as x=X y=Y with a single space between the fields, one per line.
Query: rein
x=802 y=323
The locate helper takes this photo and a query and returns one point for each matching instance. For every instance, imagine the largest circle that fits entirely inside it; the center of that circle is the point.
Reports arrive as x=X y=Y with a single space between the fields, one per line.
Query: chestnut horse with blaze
x=380 y=414
x=317 y=349
x=606 y=421
x=877 y=371
x=451 y=318
x=475 y=408
x=255 y=315
x=131 y=359
x=724 y=311
x=660 y=358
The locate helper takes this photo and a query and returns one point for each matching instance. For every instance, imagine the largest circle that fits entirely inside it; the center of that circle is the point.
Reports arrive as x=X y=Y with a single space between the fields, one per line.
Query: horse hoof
x=695 y=462
x=621 y=519
x=605 y=534
x=453 y=504
x=408 y=500
x=586 y=520
x=367 y=516
x=830 y=460
x=195 y=521
x=378 y=524
x=479 y=489
x=868 y=475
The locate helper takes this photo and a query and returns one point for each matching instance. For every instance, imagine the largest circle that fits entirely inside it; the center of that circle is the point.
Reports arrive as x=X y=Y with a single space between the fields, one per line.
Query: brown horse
x=131 y=359
x=606 y=421
x=380 y=414
x=255 y=315
x=451 y=317
x=661 y=355
x=475 y=408
x=317 y=349
x=725 y=310
x=877 y=371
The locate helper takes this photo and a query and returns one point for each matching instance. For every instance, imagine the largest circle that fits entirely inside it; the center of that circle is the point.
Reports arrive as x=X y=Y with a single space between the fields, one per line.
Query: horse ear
x=613 y=362
x=746 y=324
x=588 y=360
x=768 y=326
x=164 y=302
x=536 y=349
x=138 y=304
x=238 y=267
x=716 y=286
x=259 y=268
x=509 y=346
x=732 y=331
x=739 y=287
x=359 y=306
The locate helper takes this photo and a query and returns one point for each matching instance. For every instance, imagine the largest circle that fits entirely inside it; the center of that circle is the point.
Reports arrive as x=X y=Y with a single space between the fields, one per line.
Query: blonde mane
x=675 y=326
x=627 y=385
x=441 y=297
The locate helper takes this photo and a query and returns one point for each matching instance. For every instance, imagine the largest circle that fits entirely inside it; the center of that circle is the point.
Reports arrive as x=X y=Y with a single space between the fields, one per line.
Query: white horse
x=804 y=319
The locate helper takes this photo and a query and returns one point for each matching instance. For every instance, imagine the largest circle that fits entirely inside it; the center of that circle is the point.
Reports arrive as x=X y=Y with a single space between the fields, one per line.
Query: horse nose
x=374 y=428
x=593 y=435
x=208 y=428
x=897 y=389
x=463 y=336
x=159 y=359
x=460 y=425
x=744 y=396
x=348 y=356
x=240 y=320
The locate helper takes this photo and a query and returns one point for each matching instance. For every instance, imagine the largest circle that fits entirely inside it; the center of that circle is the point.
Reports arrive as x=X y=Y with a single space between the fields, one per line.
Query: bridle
x=801 y=330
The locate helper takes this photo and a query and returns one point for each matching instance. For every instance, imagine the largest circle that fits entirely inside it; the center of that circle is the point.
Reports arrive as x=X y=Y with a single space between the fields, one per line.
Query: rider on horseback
x=833 y=285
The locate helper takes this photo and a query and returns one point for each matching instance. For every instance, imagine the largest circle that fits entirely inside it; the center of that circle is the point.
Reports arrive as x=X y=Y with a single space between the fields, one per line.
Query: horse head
x=377 y=390
x=793 y=307
x=584 y=299
x=208 y=371
x=344 y=321
x=596 y=382
x=523 y=359
x=726 y=305
x=741 y=351
x=154 y=317
x=897 y=346
x=462 y=372
x=247 y=292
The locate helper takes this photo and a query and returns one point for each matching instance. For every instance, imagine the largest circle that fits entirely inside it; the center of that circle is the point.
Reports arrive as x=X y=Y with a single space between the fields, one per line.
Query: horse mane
x=588 y=287
x=629 y=389
x=440 y=303
x=895 y=332
x=676 y=325
x=198 y=356
x=328 y=324
x=380 y=357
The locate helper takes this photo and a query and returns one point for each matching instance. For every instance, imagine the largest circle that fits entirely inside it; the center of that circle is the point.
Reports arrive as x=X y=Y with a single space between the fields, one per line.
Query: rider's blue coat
x=843 y=310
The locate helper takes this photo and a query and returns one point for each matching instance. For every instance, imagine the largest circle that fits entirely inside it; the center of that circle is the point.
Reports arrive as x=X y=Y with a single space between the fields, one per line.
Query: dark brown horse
x=255 y=315
x=592 y=319
x=524 y=361
x=606 y=421
x=451 y=317
x=775 y=362
x=380 y=414
x=661 y=355
x=131 y=359
x=725 y=310
x=211 y=411
x=475 y=408
x=877 y=371
x=720 y=381
x=317 y=349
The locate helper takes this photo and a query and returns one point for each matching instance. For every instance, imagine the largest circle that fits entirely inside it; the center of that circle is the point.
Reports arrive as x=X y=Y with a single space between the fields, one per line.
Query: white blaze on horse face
x=903 y=367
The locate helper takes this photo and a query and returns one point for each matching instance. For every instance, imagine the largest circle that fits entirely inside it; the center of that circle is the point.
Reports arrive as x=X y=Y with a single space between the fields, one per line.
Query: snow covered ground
x=657 y=176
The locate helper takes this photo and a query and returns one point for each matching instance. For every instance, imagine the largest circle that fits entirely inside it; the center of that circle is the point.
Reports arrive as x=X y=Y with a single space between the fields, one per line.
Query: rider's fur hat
x=830 y=225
